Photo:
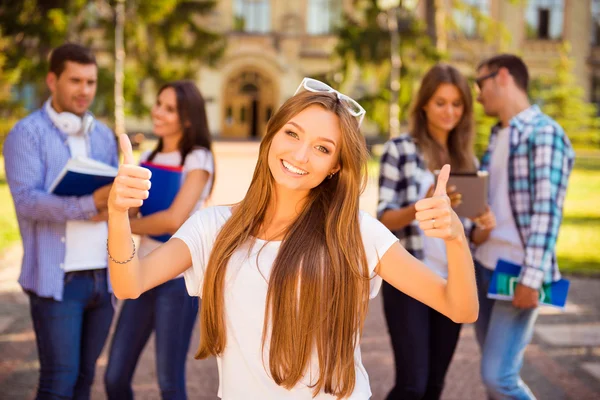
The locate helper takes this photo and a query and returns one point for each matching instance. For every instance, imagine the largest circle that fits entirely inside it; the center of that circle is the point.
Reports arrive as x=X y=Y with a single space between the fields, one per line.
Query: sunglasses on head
x=479 y=81
x=315 y=86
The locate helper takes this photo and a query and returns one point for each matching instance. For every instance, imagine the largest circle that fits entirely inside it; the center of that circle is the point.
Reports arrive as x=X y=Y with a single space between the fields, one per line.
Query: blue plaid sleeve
x=552 y=158
x=392 y=182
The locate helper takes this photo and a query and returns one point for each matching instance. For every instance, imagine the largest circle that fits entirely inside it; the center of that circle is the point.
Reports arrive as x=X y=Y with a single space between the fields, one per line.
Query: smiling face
x=74 y=89
x=445 y=108
x=165 y=117
x=306 y=149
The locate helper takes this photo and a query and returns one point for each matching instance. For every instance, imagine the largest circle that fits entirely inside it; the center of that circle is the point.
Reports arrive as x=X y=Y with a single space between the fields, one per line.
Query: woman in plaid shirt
x=441 y=133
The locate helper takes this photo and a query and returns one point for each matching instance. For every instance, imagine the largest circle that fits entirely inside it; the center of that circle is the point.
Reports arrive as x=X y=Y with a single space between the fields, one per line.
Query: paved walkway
x=563 y=362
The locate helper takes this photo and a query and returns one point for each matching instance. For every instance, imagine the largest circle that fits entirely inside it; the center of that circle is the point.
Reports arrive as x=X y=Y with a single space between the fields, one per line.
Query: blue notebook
x=166 y=182
x=505 y=279
x=82 y=176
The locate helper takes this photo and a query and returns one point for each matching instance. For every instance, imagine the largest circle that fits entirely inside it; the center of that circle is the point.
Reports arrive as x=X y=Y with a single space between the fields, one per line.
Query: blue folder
x=82 y=176
x=166 y=182
x=505 y=279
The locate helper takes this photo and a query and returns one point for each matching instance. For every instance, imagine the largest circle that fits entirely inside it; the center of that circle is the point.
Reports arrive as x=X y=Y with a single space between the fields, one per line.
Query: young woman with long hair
x=441 y=132
x=286 y=274
x=179 y=121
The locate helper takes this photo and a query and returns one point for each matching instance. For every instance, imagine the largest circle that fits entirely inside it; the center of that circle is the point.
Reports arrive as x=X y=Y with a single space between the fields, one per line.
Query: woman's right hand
x=132 y=183
x=486 y=220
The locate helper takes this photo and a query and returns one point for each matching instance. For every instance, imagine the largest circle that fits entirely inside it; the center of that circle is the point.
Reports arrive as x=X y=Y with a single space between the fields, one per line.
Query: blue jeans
x=503 y=332
x=170 y=312
x=70 y=334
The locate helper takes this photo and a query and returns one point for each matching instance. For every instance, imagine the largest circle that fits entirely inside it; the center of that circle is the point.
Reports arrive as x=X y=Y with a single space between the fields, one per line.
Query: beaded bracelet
x=121 y=262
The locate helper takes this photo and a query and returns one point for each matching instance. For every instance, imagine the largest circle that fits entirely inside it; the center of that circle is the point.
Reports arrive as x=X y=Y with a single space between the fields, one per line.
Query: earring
x=330 y=175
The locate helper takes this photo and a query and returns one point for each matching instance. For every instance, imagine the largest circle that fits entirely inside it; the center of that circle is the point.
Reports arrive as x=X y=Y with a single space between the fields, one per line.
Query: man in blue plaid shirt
x=529 y=159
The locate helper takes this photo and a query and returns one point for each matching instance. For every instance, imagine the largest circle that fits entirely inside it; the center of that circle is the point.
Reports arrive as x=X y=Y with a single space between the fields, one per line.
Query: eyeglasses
x=315 y=86
x=479 y=81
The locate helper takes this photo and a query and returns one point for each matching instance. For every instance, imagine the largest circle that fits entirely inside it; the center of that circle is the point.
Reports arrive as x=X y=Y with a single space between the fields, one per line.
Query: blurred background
x=248 y=56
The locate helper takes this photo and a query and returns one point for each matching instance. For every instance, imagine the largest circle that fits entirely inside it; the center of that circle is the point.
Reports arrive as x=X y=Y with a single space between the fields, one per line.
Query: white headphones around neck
x=70 y=123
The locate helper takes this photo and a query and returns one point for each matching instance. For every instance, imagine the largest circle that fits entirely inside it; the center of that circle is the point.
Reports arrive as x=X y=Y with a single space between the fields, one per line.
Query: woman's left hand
x=487 y=220
x=435 y=215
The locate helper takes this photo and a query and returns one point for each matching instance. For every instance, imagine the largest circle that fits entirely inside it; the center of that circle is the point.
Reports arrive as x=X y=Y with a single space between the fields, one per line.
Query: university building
x=273 y=44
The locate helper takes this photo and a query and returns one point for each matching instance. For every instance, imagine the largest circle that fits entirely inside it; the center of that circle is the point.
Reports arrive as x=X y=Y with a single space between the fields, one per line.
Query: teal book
x=505 y=279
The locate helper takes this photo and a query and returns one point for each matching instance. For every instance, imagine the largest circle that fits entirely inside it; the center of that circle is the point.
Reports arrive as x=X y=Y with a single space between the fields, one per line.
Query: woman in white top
x=286 y=274
x=179 y=121
x=441 y=133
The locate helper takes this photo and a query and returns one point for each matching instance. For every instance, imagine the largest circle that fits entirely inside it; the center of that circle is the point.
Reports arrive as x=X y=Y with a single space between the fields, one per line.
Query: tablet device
x=473 y=186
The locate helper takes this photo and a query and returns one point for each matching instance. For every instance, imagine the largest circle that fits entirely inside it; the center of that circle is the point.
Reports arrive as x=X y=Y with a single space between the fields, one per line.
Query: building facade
x=273 y=44
x=537 y=29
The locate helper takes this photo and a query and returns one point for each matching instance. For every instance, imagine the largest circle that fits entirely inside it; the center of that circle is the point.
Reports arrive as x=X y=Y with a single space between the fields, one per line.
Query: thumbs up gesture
x=435 y=215
x=132 y=183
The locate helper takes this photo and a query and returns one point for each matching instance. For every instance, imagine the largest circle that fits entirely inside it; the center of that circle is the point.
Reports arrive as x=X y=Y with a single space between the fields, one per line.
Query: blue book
x=166 y=182
x=505 y=279
x=82 y=176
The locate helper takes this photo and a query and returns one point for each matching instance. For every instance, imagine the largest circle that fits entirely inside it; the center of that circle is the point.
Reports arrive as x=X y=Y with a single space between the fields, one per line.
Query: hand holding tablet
x=473 y=191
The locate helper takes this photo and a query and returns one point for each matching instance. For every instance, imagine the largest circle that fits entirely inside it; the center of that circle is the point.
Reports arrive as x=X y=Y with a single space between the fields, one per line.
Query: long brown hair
x=191 y=109
x=319 y=286
x=460 y=140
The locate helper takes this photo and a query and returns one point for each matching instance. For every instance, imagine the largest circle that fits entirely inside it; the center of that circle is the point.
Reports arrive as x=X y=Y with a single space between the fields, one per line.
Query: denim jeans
x=168 y=311
x=70 y=334
x=423 y=341
x=503 y=332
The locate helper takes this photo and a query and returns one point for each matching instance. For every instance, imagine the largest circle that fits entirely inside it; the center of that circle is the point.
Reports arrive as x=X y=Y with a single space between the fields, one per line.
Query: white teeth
x=293 y=169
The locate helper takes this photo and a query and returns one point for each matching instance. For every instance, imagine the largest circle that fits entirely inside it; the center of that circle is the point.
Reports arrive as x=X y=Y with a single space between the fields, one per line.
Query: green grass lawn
x=578 y=245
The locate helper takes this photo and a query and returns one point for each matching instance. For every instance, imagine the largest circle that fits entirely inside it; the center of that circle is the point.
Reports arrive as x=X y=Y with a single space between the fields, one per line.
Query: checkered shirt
x=400 y=170
x=540 y=162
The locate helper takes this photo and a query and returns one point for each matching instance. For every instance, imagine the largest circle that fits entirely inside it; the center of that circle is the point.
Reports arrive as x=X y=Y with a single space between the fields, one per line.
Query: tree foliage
x=164 y=40
x=560 y=96
x=10 y=110
x=364 y=49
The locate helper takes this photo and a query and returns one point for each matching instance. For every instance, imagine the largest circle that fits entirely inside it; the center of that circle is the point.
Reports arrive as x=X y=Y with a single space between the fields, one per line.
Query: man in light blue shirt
x=70 y=301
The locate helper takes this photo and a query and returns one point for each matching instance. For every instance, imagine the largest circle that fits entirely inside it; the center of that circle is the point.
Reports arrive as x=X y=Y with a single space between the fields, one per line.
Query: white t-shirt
x=504 y=240
x=434 y=249
x=196 y=159
x=243 y=376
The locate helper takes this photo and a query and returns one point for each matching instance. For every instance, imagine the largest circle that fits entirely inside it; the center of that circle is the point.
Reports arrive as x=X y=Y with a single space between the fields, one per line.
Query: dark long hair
x=460 y=140
x=191 y=109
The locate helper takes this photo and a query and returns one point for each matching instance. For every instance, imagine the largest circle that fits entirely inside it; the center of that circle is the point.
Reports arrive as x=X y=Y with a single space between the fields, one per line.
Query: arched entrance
x=248 y=101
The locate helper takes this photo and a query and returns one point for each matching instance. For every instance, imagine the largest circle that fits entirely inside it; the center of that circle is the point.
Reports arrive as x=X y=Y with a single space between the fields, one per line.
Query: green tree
x=363 y=51
x=164 y=40
x=483 y=126
x=562 y=98
x=10 y=110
